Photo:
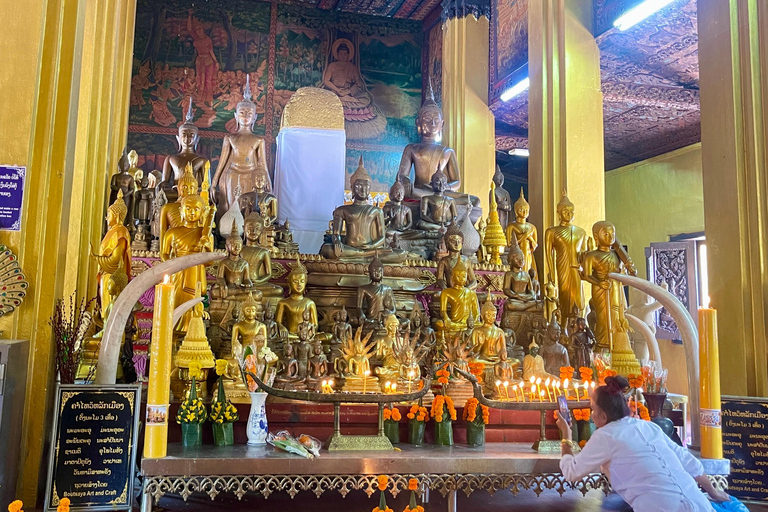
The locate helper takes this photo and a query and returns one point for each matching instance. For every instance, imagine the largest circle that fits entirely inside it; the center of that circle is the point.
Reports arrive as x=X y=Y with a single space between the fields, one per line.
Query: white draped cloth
x=309 y=181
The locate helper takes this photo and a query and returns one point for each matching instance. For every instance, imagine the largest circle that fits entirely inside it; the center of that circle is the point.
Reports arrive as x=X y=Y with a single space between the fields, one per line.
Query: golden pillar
x=733 y=61
x=565 y=113
x=469 y=123
x=66 y=84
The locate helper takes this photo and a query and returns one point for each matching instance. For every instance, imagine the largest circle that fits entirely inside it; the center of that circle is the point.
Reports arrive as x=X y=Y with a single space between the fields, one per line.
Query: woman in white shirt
x=649 y=471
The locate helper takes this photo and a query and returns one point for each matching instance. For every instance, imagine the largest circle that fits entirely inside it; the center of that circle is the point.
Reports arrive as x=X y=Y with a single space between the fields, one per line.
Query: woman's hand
x=719 y=496
x=565 y=428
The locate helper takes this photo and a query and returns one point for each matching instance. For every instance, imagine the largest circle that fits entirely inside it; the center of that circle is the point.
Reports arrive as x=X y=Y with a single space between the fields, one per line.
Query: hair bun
x=616 y=384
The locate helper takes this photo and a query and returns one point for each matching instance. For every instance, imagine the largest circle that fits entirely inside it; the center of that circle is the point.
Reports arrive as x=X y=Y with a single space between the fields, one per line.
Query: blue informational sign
x=11 y=196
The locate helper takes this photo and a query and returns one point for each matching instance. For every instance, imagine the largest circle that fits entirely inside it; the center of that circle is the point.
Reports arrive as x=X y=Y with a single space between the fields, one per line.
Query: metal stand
x=542 y=445
x=452 y=497
x=339 y=442
x=146 y=498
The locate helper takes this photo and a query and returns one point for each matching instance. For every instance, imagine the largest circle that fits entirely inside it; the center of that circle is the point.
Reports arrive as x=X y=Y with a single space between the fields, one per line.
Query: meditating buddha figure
x=533 y=364
x=114 y=251
x=390 y=367
x=454 y=242
x=170 y=214
x=356 y=365
x=457 y=303
x=260 y=200
x=259 y=259
x=429 y=156
x=242 y=158
x=233 y=277
x=175 y=165
x=375 y=300
x=364 y=225
x=247 y=331
x=290 y=310
x=488 y=340
x=564 y=246
x=397 y=216
x=518 y=286
x=437 y=210
x=525 y=232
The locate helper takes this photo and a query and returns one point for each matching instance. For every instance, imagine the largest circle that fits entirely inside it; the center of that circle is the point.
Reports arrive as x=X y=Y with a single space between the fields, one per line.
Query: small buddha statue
x=341 y=331
x=364 y=225
x=233 y=277
x=385 y=346
x=428 y=156
x=437 y=209
x=303 y=348
x=356 y=368
x=291 y=309
x=428 y=338
x=259 y=259
x=457 y=303
x=454 y=241
x=170 y=215
x=375 y=300
x=114 y=251
x=145 y=199
x=243 y=156
x=259 y=200
x=276 y=334
x=515 y=351
x=175 y=165
x=318 y=367
x=189 y=238
x=410 y=371
x=525 y=233
x=533 y=364
x=551 y=300
x=503 y=201
x=247 y=329
x=287 y=368
x=123 y=183
x=482 y=251
x=517 y=282
x=488 y=340
x=564 y=246
x=156 y=229
x=554 y=354
x=502 y=370
x=397 y=216
x=582 y=342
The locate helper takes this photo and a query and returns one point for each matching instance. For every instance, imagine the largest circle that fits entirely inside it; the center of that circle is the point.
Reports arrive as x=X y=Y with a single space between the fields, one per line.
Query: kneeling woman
x=649 y=471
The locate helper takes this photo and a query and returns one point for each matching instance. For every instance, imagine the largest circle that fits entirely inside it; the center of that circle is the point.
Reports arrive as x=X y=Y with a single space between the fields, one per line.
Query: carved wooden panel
x=674 y=264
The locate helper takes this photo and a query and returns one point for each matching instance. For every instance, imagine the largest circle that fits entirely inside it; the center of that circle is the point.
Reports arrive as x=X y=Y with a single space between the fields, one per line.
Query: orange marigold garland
x=16 y=506
x=476 y=369
x=392 y=414
x=638 y=410
x=440 y=404
x=636 y=381
x=471 y=409
x=417 y=413
x=581 y=414
x=413 y=484
x=585 y=373
x=566 y=372
x=381 y=483
x=442 y=376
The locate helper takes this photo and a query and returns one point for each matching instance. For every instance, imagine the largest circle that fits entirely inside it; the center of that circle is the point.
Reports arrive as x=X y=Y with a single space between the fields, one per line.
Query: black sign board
x=93 y=451
x=745 y=443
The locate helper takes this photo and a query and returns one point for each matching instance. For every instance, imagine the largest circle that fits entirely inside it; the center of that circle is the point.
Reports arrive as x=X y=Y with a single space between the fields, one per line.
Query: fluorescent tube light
x=516 y=89
x=519 y=152
x=637 y=14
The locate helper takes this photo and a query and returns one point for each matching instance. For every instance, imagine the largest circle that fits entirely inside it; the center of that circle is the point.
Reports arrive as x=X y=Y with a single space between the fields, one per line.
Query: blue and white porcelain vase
x=257 y=419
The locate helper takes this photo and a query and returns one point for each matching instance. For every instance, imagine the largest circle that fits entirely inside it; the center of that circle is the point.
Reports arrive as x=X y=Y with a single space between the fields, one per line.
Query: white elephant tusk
x=650 y=339
x=179 y=311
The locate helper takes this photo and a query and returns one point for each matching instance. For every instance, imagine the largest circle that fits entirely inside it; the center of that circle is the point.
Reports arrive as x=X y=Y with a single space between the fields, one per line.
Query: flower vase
x=392 y=431
x=416 y=431
x=257 y=420
x=444 y=432
x=191 y=434
x=223 y=434
x=475 y=434
x=655 y=402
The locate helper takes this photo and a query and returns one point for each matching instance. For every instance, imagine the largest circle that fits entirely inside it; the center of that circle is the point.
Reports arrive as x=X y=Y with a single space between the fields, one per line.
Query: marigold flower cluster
x=223 y=412
x=639 y=410
x=418 y=508
x=470 y=411
x=377 y=509
x=601 y=376
x=221 y=367
x=442 y=376
x=413 y=484
x=439 y=405
x=381 y=482
x=581 y=414
x=250 y=366
x=15 y=506
x=63 y=505
x=418 y=413
x=191 y=410
x=636 y=381
x=566 y=372
x=392 y=414
x=586 y=373
x=476 y=369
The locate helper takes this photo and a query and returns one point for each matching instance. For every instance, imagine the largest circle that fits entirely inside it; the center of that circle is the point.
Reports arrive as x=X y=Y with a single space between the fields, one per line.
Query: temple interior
x=245 y=232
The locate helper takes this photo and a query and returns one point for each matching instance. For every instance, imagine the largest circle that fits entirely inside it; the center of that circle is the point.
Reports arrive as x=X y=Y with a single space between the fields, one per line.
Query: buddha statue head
x=117 y=282
x=269 y=314
x=117 y=211
x=260 y=183
x=249 y=308
x=416 y=322
x=252 y=228
x=246 y=109
x=429 y=121
x=565 y=209
x=498 y=177
x=553 y=331
x=391 y=324
x=488 y=312
x=188 y=132
x=533 y=349
x=187 y=184
x=439 y=182
x=360 y=182
x=297 y=277
x=503 y=353
x=133 y=159
x=459 y=274
x=191 y=210
x=234 y=242
x=454 y=239
x=515 y=256
x=376 y=269
x=397 y=192
x=522 y=208
x=604 y=233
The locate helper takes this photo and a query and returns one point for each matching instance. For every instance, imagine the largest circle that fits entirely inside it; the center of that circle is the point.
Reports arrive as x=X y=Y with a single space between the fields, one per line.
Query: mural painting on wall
x=509 y=42
x=185 y=49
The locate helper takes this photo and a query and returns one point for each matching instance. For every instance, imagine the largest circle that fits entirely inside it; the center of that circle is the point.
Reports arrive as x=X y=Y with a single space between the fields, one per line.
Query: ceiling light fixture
x=519 y=152
x=516 y=89
x=637 y=14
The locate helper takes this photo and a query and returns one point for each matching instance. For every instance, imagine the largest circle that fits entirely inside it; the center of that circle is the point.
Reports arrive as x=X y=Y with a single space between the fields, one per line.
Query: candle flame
x=166 y=279
x=706 y=302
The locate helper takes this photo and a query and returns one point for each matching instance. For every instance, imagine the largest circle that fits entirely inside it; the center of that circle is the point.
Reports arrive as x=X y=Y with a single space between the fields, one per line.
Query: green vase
x=475 y=434
x=444 y=432
x=223 y=434
x=416 y=431
x=191 y=434
x=392 y=431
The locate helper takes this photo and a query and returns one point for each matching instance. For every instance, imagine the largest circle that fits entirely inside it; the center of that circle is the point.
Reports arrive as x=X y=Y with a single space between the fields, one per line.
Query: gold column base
x=339 y=442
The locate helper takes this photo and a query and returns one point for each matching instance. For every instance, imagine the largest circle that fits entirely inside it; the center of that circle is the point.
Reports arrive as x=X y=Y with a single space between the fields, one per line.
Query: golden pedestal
x=623 y=359
x=369 y=384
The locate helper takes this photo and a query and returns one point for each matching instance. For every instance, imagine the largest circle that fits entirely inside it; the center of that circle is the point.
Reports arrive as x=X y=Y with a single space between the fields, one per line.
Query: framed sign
x=93 y=450
x=745 y=443
x=11 y=196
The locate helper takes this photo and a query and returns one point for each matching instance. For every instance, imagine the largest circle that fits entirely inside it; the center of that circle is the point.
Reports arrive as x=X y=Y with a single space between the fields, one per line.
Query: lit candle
x=709 y=384
x=506 y=392
x=330 y=385
x=324 y=386
x=586 y=391
x=532 y=380
x=394 y=388
x=533 y=393
x=557 y=388
x=541 y=395
x=546 y=385
x=159 y=385
x=522 y=393
x=387 y=387
x=565 y=387
x=498 y=389
x=576 y=390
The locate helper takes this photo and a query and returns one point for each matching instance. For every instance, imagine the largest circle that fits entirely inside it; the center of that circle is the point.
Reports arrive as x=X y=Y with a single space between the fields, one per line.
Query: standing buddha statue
x=123 y=183
x=115 y=250
x=564 y=246
x=175 y=165
x=525 y=232
x=500 y=194
x=290 y=310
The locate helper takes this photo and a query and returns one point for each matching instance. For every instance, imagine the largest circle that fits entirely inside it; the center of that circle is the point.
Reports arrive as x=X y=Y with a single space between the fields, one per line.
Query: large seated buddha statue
x=437 y=209
x=457 y=304
x=290 y=310
x=364 y=225
x=429 y=156
x=233 y=279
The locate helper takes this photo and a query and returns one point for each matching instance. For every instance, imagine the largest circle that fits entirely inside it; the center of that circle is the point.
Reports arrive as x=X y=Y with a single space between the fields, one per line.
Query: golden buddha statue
x=429 y=156
x=488 y=340
x=457 y=303
x=123 y=183
x=291 y=309
x=375 y=300
x=259 y=259
x=518 y=286
x=454 y=241
x=193 y=236
x=259 y=200
x=437 y=210
x=248 y=328
x=233 y=277
x=242 y=158
x=356 y=368
x=397 y=216
x=564 y=246
x=114 y=251
x=170 y=215
x=501 y=196
x=533 y=364
x=175 y=166
x=364 y=225
x=385 y=347
x=526 y=234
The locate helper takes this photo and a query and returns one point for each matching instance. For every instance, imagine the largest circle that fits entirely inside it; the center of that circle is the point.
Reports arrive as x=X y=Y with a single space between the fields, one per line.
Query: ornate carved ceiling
x=650 y=77
x=411 y=9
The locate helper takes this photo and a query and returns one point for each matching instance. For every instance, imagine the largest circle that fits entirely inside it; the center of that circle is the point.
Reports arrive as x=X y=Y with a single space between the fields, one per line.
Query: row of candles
x=546 y=391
